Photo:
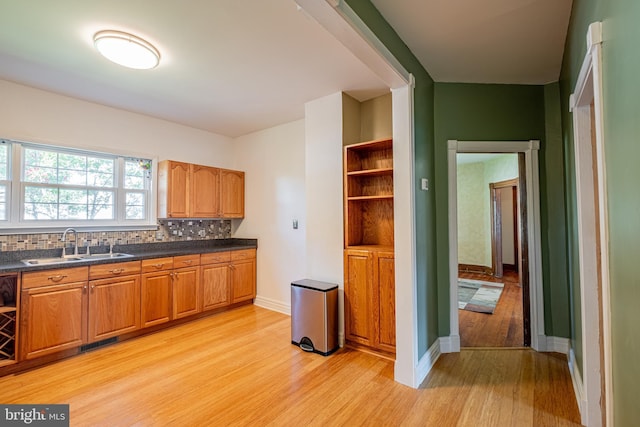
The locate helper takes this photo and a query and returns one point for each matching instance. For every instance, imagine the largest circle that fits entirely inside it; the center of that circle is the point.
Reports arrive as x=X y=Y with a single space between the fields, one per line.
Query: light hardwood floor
x=503 y=328
x=239 y=368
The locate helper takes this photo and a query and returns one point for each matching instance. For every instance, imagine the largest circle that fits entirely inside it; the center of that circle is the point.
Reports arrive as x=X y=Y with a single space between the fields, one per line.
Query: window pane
x=100 y=204
x=4 y=161
x=41 y=195
x=3 y=202
x=97 y=179
x=72 y=211
x=100 y=172
x=135 y=206
x=136 y=172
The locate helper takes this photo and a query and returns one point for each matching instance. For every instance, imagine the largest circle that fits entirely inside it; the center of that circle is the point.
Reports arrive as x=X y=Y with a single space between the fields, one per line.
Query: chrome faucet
x=64 y=240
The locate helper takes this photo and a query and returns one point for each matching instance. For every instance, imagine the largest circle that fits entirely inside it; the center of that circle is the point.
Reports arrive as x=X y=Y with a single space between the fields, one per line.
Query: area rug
x=478 y=296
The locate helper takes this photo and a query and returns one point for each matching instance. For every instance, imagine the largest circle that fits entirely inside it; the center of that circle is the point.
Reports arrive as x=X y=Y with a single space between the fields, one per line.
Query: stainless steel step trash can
x=314 y=316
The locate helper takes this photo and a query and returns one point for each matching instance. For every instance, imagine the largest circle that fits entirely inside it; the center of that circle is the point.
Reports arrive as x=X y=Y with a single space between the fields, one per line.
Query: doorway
x=530 y=268
x=492 y=301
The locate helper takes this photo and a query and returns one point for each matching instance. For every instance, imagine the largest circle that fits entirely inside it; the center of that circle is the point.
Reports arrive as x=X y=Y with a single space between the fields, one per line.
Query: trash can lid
x=315 y=285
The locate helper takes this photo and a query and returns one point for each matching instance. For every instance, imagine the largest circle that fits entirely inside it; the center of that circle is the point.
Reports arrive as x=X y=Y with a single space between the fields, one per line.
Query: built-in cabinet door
x=232 y=193
x=205 y=192
x=216 y=286
x=155 y=305
x=177 y=190
x=243 y=279
x=384 y=277
x=359 y=297
x=55 y=319
x=114 y=307
x=186 y=292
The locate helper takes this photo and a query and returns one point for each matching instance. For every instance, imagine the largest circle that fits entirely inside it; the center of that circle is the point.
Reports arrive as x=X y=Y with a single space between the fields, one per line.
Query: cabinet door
x=178 y=190
x=216 y=286
x=384 y=277
x=155 y=303
x=186 y=292
x=359 y=297
x=243 y=279
x=114 y=307
x=205 y=192
x=232 y=193
x=54 y=319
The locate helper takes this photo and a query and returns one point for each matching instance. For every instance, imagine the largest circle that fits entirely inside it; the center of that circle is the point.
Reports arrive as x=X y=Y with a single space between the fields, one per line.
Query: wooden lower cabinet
x=243 y=279
x=54 y=319
x=369 y=290
x=114 y=307
x=216 y=286
x=186 y=292
x=155 y=298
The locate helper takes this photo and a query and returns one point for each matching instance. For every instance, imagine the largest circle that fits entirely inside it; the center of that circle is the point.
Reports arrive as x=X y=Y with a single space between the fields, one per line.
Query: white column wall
x=274 y=164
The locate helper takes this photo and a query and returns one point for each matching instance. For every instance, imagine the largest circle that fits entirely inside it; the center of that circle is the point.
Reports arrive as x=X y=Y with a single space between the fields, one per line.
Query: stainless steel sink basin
x=45 y=261
x=104 y=256
x=75 y=258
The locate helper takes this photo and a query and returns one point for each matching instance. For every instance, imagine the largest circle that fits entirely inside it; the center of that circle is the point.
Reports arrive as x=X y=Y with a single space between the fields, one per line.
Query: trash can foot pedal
x=306 y=344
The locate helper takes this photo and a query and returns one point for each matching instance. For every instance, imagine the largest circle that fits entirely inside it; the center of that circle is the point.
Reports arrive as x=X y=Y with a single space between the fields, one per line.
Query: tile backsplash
x=168 y=231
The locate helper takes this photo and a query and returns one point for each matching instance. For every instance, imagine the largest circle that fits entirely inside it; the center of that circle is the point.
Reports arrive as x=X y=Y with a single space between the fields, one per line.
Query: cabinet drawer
x=114 y=270
x=54 y=277
x=157 y=264
x=215 y=257
x=186 y=261
x=243 y=254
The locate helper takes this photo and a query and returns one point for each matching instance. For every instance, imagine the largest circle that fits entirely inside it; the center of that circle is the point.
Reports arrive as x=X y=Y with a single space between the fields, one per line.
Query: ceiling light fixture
x=126 y=49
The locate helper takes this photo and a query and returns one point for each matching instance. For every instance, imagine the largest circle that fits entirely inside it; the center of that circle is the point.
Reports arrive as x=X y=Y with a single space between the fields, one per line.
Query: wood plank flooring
x=503 y=328
x=239 y=368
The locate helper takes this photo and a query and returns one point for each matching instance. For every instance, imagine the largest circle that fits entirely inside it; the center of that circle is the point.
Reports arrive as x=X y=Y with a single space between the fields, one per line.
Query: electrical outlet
x=424 y=184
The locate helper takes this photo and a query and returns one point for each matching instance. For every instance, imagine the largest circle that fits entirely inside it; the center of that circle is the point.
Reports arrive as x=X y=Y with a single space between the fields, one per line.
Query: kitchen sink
x=75 y=258
x=45 y=261
x=105 y=256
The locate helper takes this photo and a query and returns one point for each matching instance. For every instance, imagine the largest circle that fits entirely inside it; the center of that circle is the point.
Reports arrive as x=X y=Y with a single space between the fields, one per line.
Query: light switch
x=425 y=184
x=295 y=224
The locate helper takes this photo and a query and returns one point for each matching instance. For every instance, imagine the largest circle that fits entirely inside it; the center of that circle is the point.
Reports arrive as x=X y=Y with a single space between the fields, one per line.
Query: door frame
x=596 y=382
x=532 y=188
x=496 y=224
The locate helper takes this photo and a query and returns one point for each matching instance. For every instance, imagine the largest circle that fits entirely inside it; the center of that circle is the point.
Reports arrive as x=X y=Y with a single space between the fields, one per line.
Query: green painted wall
x=494 y=113
x=427 y=302
x=621 y=95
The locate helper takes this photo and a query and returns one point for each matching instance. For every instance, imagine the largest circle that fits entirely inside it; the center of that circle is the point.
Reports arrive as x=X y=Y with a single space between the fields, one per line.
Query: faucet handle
x=110 y=247
x=88 y=245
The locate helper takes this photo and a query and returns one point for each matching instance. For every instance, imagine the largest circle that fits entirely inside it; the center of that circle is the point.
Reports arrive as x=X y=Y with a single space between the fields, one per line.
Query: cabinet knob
x=57 y=278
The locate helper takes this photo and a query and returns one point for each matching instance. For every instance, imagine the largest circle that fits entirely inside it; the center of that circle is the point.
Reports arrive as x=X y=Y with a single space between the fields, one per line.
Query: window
x=56 y=186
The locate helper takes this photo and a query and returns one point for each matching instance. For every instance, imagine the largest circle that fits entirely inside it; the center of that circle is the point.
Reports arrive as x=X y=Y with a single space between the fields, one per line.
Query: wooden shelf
x=382 y=197
x=371 y=172
x=7 y=309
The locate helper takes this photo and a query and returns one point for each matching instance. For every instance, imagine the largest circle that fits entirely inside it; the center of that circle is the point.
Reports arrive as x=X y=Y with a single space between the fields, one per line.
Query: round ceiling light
x=126 y=49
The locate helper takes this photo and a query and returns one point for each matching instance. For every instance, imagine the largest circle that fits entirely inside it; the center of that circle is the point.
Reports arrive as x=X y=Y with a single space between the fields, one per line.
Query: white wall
x=274 y=165
x=323 y=167
x=35 y=115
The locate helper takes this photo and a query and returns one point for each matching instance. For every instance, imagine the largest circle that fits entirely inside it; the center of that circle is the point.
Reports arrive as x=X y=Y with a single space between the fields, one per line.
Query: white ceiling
x=237 y=66
x=488 y=41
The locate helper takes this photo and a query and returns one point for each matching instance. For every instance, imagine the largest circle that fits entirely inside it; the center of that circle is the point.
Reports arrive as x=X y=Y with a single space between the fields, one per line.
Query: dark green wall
x=427 y=304
x=489 y=112
x=621 y=95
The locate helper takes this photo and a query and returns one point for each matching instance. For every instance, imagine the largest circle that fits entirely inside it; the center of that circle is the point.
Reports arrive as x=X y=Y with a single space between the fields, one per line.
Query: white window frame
x=16 y=224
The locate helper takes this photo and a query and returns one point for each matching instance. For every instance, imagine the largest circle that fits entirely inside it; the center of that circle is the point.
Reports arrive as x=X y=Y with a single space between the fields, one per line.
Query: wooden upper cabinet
x=205 y=191
x=195 y=191
x=232 y=193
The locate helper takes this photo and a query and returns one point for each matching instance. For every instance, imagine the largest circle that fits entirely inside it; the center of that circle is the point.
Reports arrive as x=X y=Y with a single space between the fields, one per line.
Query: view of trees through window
x=61 y=185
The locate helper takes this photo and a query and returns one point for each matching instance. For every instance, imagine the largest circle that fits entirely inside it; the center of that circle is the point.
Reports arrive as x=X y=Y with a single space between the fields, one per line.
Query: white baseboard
x=450 y=344
x=557 y=345
x=578 y=385
x=273 y=305
x=427 y=361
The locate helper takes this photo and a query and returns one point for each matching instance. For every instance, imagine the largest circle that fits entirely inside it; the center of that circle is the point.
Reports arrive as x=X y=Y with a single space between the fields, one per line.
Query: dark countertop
x=10 y=262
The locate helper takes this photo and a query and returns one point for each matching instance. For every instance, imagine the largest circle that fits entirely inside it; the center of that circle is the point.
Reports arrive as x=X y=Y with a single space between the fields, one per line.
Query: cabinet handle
x=158 y=266
x=188 y=262
x=57 y=278
x=231 y=266
x=116 y=270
